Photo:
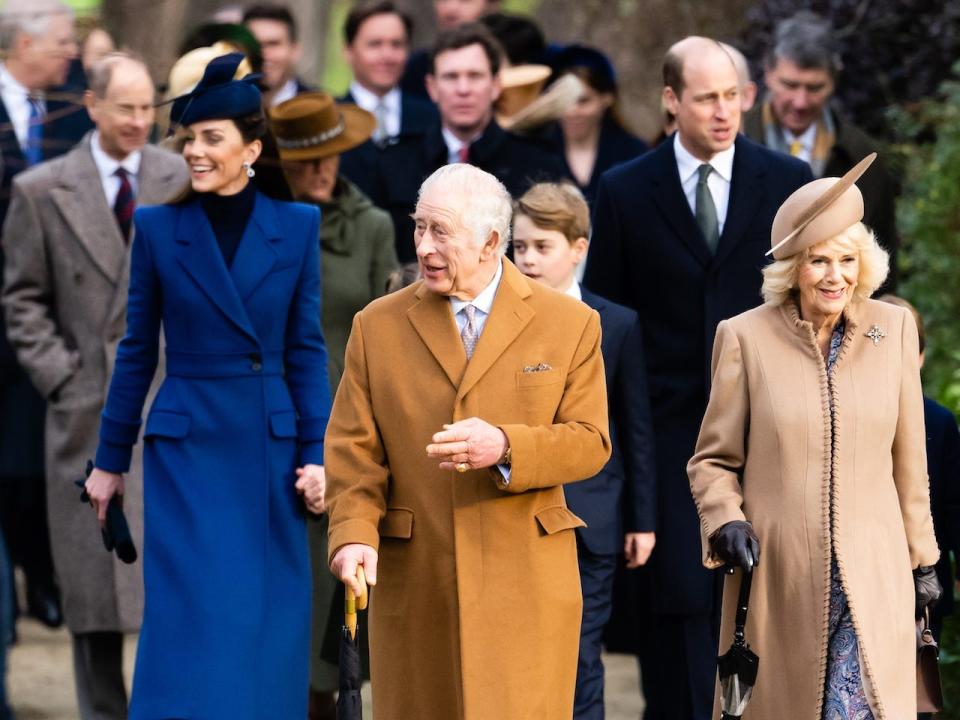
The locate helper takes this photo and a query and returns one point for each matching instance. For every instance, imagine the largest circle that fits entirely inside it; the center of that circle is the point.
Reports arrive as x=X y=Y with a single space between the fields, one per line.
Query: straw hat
x=818 y=211
x=559 y=97
x=187 y=71
x=312 y=126
x=520 y=85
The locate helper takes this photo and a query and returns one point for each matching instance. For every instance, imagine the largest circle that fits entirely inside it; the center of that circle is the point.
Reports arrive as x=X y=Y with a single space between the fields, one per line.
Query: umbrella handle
x=352 y=603
x=743 y=600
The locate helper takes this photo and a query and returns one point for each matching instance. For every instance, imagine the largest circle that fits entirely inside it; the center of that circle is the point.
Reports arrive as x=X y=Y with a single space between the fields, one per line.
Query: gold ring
x=462 y=467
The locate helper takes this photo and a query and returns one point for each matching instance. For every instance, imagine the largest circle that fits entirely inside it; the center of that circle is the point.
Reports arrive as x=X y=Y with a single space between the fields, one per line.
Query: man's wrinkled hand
x=345 y=561
x=469 y=444
x=312 y=485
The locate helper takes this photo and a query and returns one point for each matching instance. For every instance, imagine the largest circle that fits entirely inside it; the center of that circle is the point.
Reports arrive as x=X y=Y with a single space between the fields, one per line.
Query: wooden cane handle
x=364 y=593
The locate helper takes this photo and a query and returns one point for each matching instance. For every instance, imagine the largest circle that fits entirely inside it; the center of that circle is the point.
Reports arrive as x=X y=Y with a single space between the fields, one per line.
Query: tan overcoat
x=764 y=455
x=476 y=613
x=65 y=298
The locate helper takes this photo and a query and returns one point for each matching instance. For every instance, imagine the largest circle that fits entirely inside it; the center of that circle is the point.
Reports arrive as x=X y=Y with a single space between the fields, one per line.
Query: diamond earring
x=250 y=171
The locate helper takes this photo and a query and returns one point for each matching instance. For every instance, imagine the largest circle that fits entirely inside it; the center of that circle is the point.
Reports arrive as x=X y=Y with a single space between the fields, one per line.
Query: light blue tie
x=33 y=150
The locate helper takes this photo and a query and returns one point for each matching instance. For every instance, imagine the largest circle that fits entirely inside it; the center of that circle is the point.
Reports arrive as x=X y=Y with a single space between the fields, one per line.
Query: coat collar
x=481 y=149
x=256 y=257
x=790 y=312
x=433 y=320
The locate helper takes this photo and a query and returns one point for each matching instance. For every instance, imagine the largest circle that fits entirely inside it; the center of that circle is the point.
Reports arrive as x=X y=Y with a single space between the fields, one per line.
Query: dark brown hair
x=464 y=36
x=277 y=13
x=364 y=11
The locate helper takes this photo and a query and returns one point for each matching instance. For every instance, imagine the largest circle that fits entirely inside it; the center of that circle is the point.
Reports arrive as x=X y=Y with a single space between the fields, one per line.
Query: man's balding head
x=120 y=102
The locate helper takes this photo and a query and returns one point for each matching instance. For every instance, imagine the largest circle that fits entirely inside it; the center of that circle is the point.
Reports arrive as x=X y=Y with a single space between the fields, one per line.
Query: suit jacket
x=878 y=185
x=21 y=408
x=359 y=165
x=621 y=497
x=517 y=162
x=647 y=253
x=65 y=299
x=943 y=467
x=414 y=80
x=477 y=578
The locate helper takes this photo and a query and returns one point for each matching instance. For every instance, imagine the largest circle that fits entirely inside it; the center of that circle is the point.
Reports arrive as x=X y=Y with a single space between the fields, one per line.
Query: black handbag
x=929 y=692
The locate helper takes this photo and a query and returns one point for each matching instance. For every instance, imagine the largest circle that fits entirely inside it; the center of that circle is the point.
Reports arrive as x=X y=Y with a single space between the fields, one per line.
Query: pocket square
x=542 y=367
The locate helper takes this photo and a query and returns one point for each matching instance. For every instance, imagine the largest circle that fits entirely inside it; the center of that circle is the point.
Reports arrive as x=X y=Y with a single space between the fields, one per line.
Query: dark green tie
x=706 y=210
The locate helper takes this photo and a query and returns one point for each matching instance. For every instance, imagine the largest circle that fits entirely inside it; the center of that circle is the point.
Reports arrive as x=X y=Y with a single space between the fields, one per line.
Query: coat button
x=256 y=362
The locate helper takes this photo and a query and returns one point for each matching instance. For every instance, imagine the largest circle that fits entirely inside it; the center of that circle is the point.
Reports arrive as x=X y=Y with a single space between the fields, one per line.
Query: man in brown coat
x=468 y=399
x=66 y=241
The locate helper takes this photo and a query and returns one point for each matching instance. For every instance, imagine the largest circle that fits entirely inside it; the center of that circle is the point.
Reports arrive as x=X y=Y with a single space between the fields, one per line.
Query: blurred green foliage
x=929 y=223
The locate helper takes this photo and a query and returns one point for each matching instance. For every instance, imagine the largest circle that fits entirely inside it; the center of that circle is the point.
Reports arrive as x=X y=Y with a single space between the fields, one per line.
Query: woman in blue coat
x=232 y=277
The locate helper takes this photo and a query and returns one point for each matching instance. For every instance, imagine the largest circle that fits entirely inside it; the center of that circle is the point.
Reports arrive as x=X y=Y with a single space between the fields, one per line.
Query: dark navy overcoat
x=245 y=400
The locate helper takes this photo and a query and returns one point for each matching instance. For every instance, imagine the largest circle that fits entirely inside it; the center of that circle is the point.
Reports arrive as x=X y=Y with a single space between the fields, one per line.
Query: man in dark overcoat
x=67 y=240
x=40 y=118
x=464 y=84
x=679 y=235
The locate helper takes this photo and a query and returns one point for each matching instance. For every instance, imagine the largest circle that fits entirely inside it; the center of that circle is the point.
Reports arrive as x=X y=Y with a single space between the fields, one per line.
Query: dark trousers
x=23 y=518
x=596 y=581
x=6 y=624
x=678 y=666
x=98 y=673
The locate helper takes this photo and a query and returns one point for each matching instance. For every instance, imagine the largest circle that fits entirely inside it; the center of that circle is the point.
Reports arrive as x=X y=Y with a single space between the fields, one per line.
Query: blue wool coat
x=226 y=624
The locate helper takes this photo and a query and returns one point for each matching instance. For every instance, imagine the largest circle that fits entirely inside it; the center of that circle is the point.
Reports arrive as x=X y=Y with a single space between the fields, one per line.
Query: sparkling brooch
x=875 y=334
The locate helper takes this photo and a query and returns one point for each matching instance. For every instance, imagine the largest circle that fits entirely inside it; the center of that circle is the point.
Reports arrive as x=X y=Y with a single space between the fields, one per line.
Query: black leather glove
x=736 y=544
x=927 y=586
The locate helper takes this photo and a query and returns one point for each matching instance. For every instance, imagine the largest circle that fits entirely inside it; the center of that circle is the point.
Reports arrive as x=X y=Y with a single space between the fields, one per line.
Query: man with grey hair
x=468 y=400
x=37 y=45
x=67 y=246
x=799 y=117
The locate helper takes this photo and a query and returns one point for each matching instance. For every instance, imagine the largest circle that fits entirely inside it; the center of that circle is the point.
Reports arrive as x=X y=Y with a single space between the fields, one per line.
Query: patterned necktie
x=796 y=147
x=380 y=134
x=469 y=334
x=706 y=211
x=124 y=205
x=33 y=149
x=464 y=153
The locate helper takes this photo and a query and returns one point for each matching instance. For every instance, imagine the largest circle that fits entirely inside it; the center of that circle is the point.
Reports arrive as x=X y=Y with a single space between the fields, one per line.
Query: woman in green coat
x=357 y=256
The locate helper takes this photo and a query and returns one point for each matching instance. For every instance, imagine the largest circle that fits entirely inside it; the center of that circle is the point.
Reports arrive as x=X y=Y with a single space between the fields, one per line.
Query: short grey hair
x=807 y=40
x=31 y=17
x=100 y=74
x=488 y=206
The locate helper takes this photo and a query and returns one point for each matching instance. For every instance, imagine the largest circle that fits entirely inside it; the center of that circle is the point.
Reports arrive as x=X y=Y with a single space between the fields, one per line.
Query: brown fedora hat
x=818 y=211
x=312 y=126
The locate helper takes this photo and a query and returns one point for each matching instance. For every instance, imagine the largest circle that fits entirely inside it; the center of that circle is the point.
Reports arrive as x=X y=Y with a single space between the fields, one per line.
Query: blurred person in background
x=551 y=225
x=67 y=246
x=356 y=258
x=520 y=37
x=799 y=116
x=276 y=30
x=37 y=45
x=6 y=625
x=93 y=40
x=748 y=88
x=592 y=136
x=376 y=45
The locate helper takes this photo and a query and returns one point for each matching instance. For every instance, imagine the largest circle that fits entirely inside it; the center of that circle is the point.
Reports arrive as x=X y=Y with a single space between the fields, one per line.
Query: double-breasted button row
x=256 y=362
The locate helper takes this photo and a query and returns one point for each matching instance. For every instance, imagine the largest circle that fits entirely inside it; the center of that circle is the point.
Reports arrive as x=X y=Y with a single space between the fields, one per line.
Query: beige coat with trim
x=476 y=614
x=764 y=455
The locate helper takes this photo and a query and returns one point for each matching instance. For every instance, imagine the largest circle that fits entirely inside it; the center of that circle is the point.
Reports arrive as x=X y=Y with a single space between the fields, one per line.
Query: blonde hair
x=780 y=276
x=556 y=206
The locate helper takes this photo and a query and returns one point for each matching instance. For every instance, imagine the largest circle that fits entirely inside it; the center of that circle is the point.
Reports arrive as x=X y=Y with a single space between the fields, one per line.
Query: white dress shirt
x=107 y=167
x=16 y=99
x=718 y=181
x=574 y=291
x=369 y=102
x=483 y=304
x=454 y=144
x=287 y=91
x=806 y=139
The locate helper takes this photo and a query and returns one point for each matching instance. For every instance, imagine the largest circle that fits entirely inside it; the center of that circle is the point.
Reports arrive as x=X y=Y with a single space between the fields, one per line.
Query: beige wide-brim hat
x=551 y=105
x=519 y=86
x=818 y=211
x=187 y=71
x=313 y=126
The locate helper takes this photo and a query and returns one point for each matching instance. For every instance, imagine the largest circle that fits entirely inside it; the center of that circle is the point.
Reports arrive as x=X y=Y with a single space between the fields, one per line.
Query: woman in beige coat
x=812 y=448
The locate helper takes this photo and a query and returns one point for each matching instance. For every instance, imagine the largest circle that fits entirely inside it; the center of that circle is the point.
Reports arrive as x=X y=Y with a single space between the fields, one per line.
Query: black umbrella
x=738 y=667
x=349 y=704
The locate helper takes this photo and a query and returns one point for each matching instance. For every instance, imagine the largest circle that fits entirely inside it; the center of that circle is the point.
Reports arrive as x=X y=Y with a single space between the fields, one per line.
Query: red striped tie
x=464 y=153
x=124 y=205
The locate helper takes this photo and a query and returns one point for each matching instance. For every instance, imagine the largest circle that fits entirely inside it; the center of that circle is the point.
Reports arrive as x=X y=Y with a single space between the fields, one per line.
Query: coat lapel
x=256 y=256
x=508 y=317
x=432 y=318
x=198 y=253
x=84 y=207
x=669 y=197
x=746 y=194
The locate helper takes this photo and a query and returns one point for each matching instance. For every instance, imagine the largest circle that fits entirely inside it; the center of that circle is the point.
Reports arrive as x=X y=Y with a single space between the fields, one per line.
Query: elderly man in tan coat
x=468 y=399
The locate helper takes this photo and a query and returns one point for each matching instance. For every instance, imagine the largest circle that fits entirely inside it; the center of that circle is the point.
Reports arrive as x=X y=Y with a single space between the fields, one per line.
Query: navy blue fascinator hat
x=218 y=96
x=602 y=74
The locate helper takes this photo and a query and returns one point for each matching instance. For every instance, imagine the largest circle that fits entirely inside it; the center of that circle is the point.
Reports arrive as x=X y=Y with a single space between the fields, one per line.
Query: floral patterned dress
x=844 y=695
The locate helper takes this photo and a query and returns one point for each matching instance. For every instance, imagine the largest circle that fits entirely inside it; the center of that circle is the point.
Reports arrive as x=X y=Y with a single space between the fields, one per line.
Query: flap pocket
x=283 y=424
x=397 y=523
x=539 y=378
x=163 y=423
x=557 y=518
